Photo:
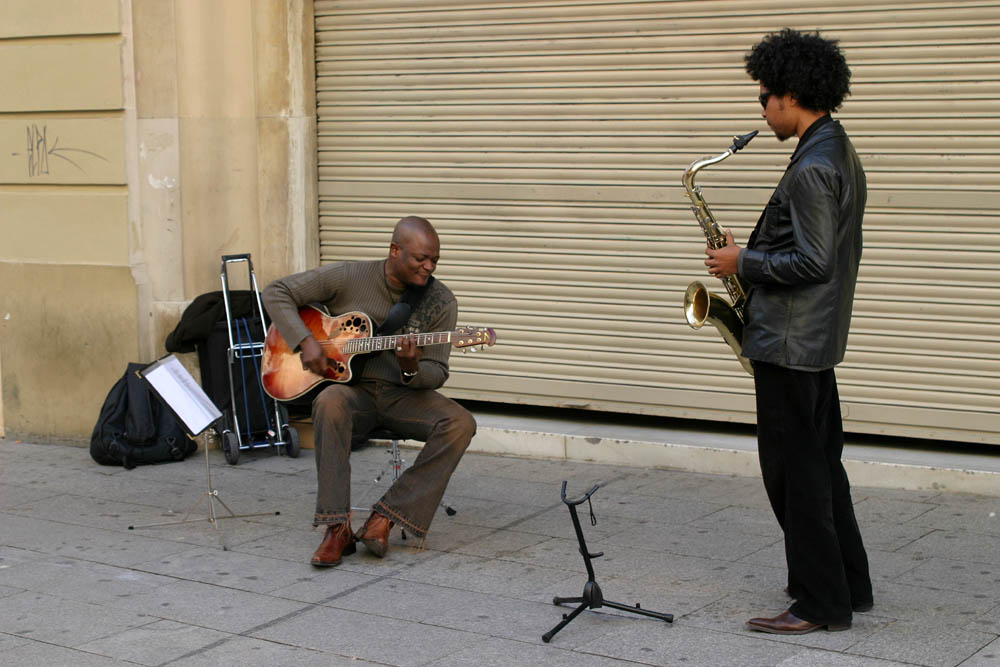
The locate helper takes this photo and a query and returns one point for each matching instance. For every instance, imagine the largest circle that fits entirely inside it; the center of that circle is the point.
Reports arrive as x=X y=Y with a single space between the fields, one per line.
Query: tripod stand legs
x=592 y=595
x=547 y=637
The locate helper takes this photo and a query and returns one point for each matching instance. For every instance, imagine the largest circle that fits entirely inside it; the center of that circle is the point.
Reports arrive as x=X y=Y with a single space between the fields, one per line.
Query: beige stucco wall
x=141 y=141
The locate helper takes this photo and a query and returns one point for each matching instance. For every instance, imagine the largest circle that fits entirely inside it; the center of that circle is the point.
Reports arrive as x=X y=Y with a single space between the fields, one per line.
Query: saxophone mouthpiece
x=741 y=141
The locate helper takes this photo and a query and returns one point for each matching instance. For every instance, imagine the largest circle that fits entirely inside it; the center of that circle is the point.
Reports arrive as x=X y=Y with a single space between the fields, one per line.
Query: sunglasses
x=764 y=97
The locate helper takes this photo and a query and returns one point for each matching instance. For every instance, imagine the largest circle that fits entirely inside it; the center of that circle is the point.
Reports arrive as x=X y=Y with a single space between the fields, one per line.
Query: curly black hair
x=811 y=68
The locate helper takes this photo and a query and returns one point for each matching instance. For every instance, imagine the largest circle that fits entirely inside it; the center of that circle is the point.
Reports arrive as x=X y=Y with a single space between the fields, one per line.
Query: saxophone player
x=801 y=266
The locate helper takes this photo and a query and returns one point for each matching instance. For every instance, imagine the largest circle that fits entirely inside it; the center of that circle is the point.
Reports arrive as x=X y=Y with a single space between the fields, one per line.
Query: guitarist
x=396 y=390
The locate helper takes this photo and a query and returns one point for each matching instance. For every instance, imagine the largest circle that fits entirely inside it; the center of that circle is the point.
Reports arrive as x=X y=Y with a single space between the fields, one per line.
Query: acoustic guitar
x=343 y=337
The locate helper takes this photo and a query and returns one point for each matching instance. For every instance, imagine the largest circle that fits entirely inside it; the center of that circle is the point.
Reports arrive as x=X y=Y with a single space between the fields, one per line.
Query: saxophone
x=700 y=305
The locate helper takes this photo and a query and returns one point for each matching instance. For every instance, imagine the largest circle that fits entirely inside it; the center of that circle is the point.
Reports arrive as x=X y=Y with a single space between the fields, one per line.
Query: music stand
x=196 y=412
x=592 y=596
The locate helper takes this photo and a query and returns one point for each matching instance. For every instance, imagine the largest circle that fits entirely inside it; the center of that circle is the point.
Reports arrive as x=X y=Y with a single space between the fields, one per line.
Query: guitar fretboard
x=356 y=345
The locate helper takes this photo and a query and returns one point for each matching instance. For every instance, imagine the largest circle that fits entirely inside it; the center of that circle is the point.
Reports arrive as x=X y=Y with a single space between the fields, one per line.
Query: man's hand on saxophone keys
x=723 y=261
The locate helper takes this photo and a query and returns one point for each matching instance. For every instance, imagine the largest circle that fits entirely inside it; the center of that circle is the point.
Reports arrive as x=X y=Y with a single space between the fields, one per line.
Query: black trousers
x=800 y=440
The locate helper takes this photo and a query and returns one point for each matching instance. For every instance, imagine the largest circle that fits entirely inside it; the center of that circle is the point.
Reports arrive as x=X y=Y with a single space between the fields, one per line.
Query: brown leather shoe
x=337 y=542
x=789 y=624
x=375 y=534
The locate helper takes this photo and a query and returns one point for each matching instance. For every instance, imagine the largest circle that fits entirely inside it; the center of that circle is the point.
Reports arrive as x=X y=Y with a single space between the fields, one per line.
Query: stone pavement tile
x=93 y=544
x=117 y=516
x=7 y=590
x=656 y=643
x=325 y=584
x=655 y=566
x=63 y=622
x=817 y=658
x=988 y=656
x=975 y=518
x=922 y=642
x=206 y=605
x=11 y=556
x=491 y=513
x=557 y=522
x=7 y=642
x=84 y=581
x=483 y=542
x=128 y=488
x=274 y=486
x=95 y=512
x=958 y=544
x=950 y=608
x=483 y=575
x=737 y=519
x=890 y=564
x=966 y=500
x=33 y=654
x=509 y=653
x=689 y=540
x=12 y=494
x=560 y=553
x=885 y=510
x=859 y=493
x=246 y=652
x=290 y=544
x=609 y=505
x=378 y=638
x=230 y=569
x=462 y=610
x=449 y=535
x=890 y=536
x=989 y=622
x=882 y=564
x=955 y=575
x=731 y=613
x=723 y=489
x=505 y=490
x=155 y=643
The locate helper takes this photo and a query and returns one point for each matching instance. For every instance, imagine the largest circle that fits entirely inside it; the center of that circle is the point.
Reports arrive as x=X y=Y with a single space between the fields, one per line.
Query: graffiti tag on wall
x=40 y=153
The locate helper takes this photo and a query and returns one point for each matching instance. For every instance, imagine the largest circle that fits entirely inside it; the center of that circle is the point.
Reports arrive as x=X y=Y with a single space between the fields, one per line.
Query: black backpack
x=136 y=428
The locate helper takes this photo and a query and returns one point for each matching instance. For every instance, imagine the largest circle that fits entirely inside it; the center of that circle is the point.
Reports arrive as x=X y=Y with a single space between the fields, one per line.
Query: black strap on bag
x=399 y=314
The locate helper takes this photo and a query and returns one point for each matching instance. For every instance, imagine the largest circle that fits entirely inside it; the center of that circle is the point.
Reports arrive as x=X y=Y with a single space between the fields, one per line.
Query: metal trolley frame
x=238 y=434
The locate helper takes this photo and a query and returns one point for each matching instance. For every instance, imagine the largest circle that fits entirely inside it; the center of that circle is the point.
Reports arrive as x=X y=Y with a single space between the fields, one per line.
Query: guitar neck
x=377 y=343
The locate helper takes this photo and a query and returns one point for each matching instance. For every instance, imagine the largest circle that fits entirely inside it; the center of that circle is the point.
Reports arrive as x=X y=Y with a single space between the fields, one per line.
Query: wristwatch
x=408 y=374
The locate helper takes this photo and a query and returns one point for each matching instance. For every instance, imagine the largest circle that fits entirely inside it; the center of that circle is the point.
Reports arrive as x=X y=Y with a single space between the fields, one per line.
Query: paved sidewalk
x=78 y=587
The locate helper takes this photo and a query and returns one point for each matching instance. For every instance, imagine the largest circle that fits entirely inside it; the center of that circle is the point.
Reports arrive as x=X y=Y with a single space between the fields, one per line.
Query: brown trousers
x=340 y=411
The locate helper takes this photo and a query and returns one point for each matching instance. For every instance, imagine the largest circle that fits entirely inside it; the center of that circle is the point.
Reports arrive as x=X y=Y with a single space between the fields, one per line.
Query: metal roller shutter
x=546 y=141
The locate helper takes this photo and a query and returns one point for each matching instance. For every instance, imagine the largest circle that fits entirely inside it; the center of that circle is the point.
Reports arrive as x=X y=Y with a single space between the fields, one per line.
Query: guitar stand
x=592 y=597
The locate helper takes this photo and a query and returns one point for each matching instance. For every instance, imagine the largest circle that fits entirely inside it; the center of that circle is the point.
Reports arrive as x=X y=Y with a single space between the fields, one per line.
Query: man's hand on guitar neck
x=408 y=354
x=313 y=356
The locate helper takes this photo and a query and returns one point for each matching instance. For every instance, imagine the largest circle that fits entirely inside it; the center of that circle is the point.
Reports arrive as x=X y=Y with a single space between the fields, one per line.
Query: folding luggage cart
x=253 y=419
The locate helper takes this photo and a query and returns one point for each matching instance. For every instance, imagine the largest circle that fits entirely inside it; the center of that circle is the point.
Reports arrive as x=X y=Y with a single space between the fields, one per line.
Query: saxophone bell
x=701 y=306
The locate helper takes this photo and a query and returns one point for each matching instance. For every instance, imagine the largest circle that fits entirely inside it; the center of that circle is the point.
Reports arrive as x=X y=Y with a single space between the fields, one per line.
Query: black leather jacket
x=801 y=262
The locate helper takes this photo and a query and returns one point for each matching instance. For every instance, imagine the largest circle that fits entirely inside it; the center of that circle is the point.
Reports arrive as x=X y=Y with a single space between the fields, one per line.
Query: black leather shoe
x=862 y=607
x=789 y=624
